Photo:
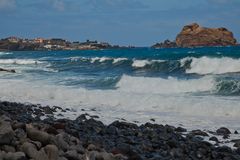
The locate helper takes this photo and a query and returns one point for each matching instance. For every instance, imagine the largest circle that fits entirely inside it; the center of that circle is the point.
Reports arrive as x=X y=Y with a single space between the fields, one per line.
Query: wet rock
x=37 y=135
x=59 y=125
x=31 y=151
x=235 y=132
x=72 y=154
x=8 y=148
x=6 y=131
x=180 y=129
x=237 y=145
x=13 y=156
x=52 y=152
x=47 y=110
x=62 y=141
x=215 y=139
x=198 y=133
x=223 y=131
x=20 y=133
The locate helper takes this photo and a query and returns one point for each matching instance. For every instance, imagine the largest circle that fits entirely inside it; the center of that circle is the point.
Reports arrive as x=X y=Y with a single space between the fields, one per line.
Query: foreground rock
x=23 y=135
x=194 y=35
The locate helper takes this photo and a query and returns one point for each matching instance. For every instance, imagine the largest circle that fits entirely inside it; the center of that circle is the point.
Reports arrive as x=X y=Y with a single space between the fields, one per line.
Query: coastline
x=24 y=132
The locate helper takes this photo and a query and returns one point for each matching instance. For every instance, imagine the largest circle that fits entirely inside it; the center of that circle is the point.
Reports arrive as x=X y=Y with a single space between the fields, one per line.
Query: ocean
x=194 y=87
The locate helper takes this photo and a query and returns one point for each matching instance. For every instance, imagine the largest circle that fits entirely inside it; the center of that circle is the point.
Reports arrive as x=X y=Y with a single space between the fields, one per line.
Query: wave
x=189 y=65
x=126 y=102
x=5 y=53
x=165 y=86
x=207 y=65
x=227 y=87
x=19 y=61
x=205 y=85
x=98 y=59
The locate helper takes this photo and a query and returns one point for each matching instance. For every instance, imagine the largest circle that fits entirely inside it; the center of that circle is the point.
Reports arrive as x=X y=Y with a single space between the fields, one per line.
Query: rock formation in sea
x=194 y=35
x=166 y=44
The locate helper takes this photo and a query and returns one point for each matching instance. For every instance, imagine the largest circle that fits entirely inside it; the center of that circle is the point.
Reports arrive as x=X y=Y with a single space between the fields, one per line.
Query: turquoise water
x=135 y=84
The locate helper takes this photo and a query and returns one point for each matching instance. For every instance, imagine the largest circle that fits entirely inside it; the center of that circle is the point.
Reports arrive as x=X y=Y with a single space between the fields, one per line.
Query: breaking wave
x=19 y=61
x=207 y=65
x=190 y=65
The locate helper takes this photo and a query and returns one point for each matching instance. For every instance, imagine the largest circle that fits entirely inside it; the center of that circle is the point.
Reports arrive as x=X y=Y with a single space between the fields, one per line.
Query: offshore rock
x=194 y=35
x=166 y=44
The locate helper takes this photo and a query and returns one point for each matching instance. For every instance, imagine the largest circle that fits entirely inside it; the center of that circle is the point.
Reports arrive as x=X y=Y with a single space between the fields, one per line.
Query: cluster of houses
x=15 y=43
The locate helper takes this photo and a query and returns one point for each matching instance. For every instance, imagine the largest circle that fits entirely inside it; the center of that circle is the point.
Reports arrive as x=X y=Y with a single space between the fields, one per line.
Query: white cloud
x=7 y=4
x=59 y=5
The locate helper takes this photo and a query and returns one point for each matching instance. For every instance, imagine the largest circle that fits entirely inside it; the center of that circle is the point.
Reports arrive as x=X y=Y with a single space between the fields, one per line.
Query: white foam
x=150 y=101
x=100 y=59
x=140 y=63
x=116 y=60
x=165 y=86
x=207 y=65
x=19 y=61
x=143 y=63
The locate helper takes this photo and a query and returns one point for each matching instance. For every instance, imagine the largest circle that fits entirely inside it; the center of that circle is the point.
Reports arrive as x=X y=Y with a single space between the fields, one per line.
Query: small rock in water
x=199 y=133
x=223 y=131
x=180 y=129
x=235 y=132
x=213 y=139
x=152 y=119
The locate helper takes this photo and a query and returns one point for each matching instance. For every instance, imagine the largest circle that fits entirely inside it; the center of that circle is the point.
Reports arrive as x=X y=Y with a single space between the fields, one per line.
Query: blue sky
x=124 y=22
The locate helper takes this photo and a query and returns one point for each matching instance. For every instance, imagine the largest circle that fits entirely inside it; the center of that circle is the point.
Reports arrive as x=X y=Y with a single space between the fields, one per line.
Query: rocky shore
x=24 y=134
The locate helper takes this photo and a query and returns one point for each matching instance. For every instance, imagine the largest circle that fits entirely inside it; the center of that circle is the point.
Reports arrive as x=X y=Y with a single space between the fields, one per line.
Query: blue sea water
x=191 y=86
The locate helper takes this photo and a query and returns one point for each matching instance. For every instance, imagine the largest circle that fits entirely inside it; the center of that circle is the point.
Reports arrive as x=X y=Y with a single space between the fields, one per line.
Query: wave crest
x=19 y=61
x=207 y=65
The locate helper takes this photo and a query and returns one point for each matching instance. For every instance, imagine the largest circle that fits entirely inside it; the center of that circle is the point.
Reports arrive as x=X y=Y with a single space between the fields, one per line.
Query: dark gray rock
x=198 y=133
x=13 y=156
x=6 y=131
x=223 y=131
x=52 y=152
x=37 y=135
x=215 y=139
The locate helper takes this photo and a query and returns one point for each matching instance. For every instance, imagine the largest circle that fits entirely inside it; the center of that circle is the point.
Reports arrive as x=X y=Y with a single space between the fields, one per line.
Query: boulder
x=6 y=131
x=52 y=152
x=194 y=35
x=223 y=131
x=13 y=156
x=37 y=135
x=31 y=151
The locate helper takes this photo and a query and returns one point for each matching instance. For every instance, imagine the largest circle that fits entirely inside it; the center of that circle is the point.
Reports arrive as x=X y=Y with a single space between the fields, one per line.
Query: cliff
x=194 y=35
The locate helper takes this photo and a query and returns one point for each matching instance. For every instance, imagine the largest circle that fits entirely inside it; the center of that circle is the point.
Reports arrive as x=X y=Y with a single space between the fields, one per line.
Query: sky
x=124 y=22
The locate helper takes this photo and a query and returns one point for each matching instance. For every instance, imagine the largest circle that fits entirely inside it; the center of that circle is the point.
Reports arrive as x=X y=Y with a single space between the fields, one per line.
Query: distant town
x=39 y=44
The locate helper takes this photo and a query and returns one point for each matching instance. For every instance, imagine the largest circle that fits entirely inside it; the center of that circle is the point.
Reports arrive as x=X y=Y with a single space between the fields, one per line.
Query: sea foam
x=159 y=99
x=19 y=61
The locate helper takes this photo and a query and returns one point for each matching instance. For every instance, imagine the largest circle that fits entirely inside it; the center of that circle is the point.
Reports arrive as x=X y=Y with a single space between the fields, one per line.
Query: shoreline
x=23 y=132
